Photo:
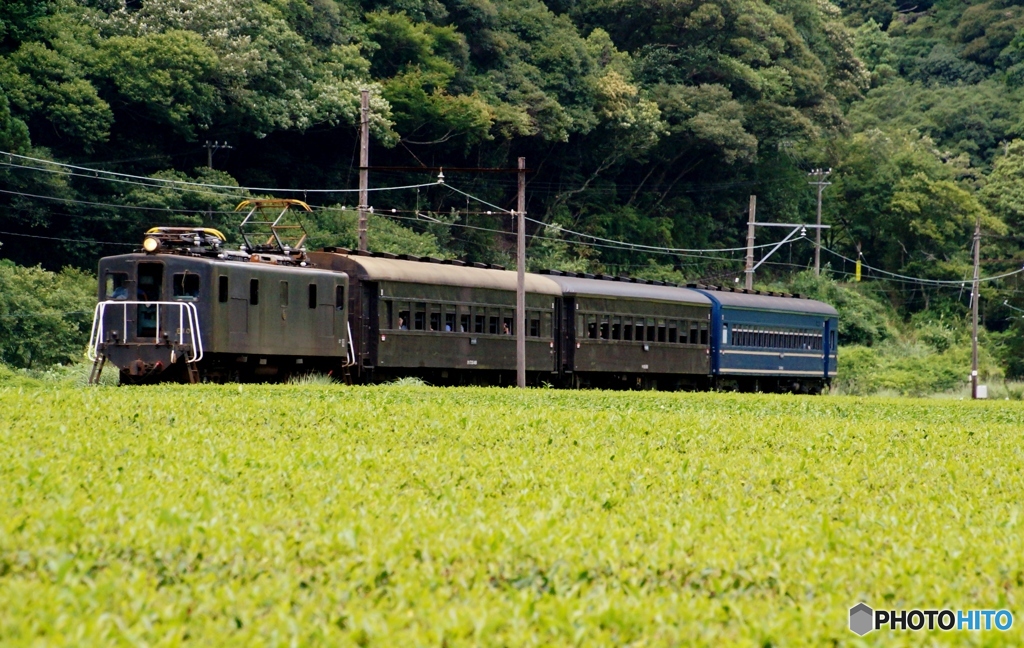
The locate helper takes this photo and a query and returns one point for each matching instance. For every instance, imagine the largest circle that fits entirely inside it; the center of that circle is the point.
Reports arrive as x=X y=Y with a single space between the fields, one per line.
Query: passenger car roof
x=770 y=303
x=622 y=289
x=381 y=269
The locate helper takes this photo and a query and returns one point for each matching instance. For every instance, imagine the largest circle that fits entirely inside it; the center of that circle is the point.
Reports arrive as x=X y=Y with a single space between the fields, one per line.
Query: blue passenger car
x=769 y=343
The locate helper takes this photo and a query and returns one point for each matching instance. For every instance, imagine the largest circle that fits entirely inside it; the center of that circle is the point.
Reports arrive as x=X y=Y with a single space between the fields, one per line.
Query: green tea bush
x=414 y=516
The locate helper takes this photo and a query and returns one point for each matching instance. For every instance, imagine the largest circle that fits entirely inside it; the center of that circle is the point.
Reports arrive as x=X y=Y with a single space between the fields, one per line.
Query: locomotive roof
x=382 y=269
x=604 y=288
x=770 y=303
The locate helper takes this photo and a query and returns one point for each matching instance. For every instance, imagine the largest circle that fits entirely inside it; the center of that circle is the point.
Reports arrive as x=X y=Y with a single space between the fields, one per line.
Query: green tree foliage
x=649 y=122
x=44 y=316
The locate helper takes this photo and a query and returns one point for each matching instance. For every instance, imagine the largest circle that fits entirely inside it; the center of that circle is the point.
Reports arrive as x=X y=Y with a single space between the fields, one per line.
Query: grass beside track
x=404 y=516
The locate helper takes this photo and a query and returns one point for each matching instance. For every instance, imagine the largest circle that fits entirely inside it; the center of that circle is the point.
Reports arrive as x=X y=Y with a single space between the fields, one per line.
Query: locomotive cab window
x=312 y=295
x=185 y=285
x=254 y=292
x=339 y=297
x=222 y=289
x=116 y=285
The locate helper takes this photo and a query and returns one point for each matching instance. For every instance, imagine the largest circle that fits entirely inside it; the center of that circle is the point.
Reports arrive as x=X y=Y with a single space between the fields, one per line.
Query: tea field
x=414 y=516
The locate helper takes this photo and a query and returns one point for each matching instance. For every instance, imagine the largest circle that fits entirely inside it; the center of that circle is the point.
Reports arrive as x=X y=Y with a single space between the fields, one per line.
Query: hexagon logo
x=862 y=619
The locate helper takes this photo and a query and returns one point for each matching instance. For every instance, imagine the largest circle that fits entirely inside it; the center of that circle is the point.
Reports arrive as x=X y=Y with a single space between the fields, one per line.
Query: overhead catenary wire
x=601 y=241
x=922 y=280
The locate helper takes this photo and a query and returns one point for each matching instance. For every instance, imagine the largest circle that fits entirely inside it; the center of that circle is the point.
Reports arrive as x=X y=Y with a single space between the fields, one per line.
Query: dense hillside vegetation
x=647 y=122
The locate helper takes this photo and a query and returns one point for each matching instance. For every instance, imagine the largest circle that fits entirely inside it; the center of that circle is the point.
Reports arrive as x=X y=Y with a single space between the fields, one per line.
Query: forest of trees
x=648 y=122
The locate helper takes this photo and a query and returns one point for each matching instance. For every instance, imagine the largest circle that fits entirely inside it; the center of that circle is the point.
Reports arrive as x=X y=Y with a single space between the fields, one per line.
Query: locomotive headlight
x=150 y=244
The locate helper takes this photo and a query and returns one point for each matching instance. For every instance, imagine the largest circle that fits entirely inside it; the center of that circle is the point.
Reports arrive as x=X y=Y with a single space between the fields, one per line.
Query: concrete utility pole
x=364 y=164
x=820 y=174
x=749 y=271
x=974 y=309
x=521 y=278
x=211 y=147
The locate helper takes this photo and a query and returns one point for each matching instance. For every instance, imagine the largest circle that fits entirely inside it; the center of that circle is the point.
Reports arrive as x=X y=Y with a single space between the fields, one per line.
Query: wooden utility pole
x=820 y=174
x=521 y=278
x=211 y=148
x=364 y=164
x=974 y=309
x=749 y=271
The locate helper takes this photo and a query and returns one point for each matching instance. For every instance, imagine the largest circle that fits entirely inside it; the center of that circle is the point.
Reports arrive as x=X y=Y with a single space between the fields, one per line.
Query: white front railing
x=187 y=330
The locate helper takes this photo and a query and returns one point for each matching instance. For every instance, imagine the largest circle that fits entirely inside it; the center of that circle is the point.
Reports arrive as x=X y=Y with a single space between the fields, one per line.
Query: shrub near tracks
x=418 y=516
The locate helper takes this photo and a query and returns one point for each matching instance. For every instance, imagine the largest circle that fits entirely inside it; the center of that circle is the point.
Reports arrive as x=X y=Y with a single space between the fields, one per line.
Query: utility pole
x=749 y=271
x=974 y=309
x=211 y=147
x=364 y=164
x=820 y=174
x=521 y=278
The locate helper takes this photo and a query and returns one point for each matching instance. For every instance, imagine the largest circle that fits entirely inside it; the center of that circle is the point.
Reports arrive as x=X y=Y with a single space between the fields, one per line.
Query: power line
x=68 y=240
x=167 y=181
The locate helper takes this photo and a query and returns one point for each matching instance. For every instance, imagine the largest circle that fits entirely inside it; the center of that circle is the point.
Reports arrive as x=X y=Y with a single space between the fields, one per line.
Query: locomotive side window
x=116 y=285
x=185 y=285
x=284 y=293
x=222 y=289
x=339 y=297
x=254 y=292
x=312 y=295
